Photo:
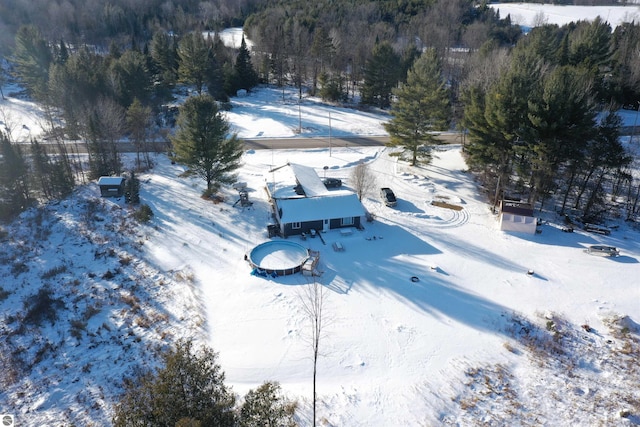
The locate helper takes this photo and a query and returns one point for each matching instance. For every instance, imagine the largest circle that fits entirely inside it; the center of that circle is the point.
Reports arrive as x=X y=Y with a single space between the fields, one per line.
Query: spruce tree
x=422 y=107
x=246 y=75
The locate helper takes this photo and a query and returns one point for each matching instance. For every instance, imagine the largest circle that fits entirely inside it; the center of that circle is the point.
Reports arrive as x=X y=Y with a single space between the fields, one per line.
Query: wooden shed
x=111 y=186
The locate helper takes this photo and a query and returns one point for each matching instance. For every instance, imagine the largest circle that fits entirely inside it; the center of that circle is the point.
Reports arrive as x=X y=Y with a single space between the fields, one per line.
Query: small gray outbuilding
x=111 y=186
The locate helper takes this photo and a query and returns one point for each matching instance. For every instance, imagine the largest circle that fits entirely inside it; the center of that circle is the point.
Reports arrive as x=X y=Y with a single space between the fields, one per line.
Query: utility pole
x=635 y=121
x=299 y=115
x=330 y=144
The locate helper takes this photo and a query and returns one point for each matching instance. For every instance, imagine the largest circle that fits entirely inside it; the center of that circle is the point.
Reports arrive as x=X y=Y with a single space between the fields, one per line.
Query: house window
x=296 y=225
x=346 y=221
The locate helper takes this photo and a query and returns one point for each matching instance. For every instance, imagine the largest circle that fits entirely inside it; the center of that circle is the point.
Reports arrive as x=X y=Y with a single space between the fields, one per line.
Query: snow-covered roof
x=336 y=205
x=110 y=180
x=309 y=180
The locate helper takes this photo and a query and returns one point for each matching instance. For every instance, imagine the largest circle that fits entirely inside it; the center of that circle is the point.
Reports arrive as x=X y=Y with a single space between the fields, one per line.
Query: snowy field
x=529 y=15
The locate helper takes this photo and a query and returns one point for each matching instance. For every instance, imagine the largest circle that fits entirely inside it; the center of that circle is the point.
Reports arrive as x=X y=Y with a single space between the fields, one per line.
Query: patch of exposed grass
x=446 y=205
x=52 y=272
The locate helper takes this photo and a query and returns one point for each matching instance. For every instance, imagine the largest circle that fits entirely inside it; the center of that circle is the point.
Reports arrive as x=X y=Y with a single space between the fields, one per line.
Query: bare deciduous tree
x=313 y=298
x=362 y=180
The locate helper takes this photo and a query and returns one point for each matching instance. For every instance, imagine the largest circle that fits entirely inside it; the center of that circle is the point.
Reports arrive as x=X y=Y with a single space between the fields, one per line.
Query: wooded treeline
x=541 y=120
x=107 y=70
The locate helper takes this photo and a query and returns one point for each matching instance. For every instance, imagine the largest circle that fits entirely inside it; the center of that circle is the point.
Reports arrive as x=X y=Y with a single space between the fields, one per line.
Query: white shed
x=517 y=217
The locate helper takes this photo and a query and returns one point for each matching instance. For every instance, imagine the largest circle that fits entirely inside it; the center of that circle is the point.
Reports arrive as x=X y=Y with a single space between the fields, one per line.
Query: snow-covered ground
x=474 y=339
x=529 y=15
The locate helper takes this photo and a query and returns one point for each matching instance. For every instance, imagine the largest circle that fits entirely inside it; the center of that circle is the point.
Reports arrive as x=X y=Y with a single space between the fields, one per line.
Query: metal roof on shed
x=110 y=180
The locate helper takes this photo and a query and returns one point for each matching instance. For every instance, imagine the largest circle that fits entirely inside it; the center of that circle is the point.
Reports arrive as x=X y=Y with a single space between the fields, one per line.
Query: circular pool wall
x=279 y=256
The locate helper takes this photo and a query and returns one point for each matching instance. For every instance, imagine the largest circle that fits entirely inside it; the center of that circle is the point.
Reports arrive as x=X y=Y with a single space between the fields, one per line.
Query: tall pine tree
x=422 y=107
x=32 y=58
x=194 y=63
x=382 y=73
x=202 y=142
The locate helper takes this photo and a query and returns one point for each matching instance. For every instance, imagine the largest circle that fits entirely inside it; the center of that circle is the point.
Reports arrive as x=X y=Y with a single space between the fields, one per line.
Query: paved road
x=278 y=143
x=322 y=142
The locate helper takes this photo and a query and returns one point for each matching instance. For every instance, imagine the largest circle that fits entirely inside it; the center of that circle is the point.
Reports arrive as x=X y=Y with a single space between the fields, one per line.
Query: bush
x=3 y=294
x=53 y=272
x=266 y=406
x=144 y=214
x=42 y=307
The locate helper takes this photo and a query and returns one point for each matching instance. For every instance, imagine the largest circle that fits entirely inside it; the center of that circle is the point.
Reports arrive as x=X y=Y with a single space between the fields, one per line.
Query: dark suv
x=332 y=182
x=387 y=196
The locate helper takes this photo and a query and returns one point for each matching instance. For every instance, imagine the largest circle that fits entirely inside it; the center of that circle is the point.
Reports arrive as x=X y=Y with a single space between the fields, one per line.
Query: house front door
x=325 y=225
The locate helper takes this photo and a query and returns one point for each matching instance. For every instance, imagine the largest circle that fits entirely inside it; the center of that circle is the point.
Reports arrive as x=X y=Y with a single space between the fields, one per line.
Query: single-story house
x=111 y=186
x=317 y=208
x=518 y=217
x=323 y=213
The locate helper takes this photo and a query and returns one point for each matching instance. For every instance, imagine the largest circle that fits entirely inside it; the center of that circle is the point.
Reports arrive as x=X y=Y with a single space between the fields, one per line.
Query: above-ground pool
x=279 y=256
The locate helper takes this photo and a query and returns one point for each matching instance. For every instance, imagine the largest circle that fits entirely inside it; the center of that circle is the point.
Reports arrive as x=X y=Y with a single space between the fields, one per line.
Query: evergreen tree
x=266 y=407
x=62 y=55
x=194 y=60
x=561 y=117
x=62 y=180
x=422 y=107
x=497 y=118
x=41 y=169
x=589 y=44
x=216 y=81
x=79 y=82
x=322 y=51
x=382 y=73
x=138 y=119
x=246 y=75
x=15 y=195
x=103 y=126
x=129 y=78
x=202 y=142
x=32 y=58
x=625 y=78
x=603 y=155
x=331 y=88
x=190 y=385
x=132 y=189
x=52 y=179
x=164 y=63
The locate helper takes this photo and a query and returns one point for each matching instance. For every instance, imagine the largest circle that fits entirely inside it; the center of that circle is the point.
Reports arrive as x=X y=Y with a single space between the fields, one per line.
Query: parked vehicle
x=332 y=182
x=602 y=250
x=388 y=197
